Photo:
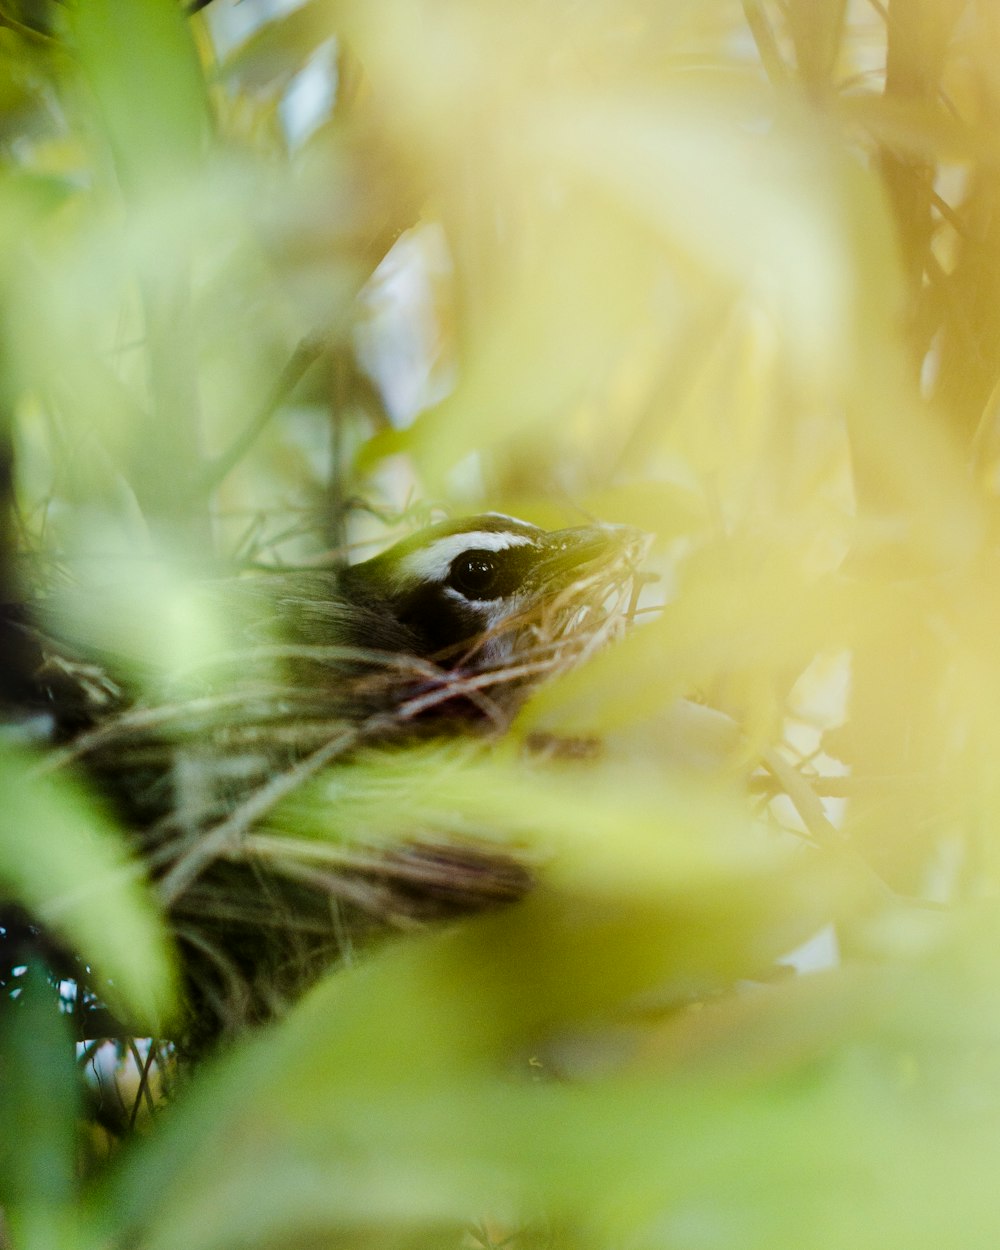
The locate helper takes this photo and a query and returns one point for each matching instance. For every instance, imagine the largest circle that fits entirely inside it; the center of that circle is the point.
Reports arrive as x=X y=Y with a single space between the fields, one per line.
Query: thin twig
x=808 y=806
x=767 y=44
x=144 y=1066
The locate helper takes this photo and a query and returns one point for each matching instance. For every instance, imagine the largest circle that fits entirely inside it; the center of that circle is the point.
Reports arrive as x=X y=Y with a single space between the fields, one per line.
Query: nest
x=195 y=771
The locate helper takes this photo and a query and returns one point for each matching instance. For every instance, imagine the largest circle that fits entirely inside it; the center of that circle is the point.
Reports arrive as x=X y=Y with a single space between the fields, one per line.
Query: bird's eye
x=476 y=574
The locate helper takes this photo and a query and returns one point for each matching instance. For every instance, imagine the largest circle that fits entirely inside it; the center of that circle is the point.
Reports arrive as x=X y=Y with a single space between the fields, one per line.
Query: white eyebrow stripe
x=431 y=563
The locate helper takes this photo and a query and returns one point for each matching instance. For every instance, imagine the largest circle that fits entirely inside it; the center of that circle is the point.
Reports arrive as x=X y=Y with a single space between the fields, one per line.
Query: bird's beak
x=572 y=553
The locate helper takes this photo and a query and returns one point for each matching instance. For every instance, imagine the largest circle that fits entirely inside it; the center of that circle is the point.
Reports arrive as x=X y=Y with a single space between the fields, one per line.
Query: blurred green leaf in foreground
x=63 y=860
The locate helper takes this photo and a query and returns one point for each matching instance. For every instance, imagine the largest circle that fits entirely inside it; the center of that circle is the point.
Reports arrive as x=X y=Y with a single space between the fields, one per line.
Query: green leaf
x=64 y=860
x=746 y=612
x=141 y=65
x=857 y=1108
x=37 y=1113
x=278 y=49
x=771 y=212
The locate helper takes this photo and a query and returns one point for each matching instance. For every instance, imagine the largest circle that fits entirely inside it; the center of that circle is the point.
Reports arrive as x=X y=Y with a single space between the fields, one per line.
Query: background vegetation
x=728 y=272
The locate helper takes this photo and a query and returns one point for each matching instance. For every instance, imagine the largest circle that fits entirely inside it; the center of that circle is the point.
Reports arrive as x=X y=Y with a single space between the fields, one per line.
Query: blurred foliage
x=276 y=283
x=74 y=876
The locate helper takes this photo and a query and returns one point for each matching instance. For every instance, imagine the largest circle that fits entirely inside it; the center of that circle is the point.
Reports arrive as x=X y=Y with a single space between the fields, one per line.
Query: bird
x=478 y=593
x=478 y=577
x=455 y=601
x=444 y=632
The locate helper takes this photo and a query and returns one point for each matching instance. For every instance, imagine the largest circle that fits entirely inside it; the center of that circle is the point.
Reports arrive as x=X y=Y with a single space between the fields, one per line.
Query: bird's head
x=481 y=590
